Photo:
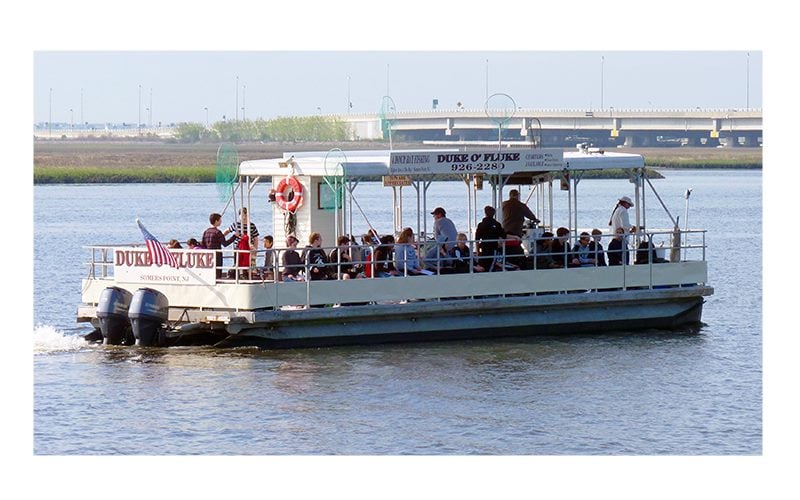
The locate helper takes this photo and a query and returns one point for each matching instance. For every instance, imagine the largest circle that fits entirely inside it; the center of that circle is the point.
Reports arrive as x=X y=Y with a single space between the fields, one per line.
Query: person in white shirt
x=619 y=218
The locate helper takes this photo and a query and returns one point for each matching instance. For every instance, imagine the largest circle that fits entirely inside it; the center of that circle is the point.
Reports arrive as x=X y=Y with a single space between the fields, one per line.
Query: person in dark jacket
x=487 y=234
x=618 y=249
x=544 y=252
x=463 y=260
x=214 y=239
x=292 y=262
x=597 y=248
x=384 y=258
x=315 y=258
x=559 y=247
x=340 y=256
x=646 y=253
x=514 y=214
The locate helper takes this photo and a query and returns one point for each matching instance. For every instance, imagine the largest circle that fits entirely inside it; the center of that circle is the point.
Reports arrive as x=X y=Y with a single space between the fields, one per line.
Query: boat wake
x=49 y=339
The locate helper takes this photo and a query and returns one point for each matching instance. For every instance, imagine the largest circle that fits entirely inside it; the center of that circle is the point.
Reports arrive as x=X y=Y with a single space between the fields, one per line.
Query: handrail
x=103 y=263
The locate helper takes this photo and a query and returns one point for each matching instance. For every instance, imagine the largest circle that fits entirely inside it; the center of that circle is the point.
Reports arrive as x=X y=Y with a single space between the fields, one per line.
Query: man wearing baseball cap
x=445 y=234
x=619 y=218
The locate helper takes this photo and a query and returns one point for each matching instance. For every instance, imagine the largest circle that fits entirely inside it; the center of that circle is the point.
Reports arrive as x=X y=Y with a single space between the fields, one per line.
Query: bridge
x=549 y=128
x=607 y=128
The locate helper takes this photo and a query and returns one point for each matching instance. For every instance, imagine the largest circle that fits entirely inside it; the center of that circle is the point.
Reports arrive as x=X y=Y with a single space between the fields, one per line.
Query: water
x=651 y=393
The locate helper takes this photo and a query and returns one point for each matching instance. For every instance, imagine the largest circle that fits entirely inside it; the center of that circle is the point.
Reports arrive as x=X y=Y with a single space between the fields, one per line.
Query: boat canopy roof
x=423 y=162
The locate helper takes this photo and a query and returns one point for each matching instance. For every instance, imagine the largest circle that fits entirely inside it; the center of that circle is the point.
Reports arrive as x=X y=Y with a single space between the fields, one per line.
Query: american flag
x=158 y=252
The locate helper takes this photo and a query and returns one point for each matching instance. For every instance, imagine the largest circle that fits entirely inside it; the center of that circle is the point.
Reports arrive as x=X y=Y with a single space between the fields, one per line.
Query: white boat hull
x=475 y=318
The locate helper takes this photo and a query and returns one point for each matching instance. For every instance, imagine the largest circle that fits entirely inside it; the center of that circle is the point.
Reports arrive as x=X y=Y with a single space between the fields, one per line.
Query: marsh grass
x=122 y=175
x=60 y=162
x=114 y=175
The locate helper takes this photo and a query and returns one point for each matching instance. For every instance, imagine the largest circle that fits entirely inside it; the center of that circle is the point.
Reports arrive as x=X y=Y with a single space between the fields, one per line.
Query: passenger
x=340 y=256
x=619 y=217
x=268 y=271
x=315 y=258
x=405 y=254
x=174 y=244
x=384 y=257
x=243 y=256
x=618 y=249
x=514 y=253
x=559 y=247
x=214 y=239
x=463 y=260
x=514 y=214
x=292 y=263
x=445 y=233
x=597 y=248
x=544 y=252
x=240 y=228
x=369 y=240
x=193 y=244
x=487 y=234
x=582 y=255
x=645 y=250
x=373 y=237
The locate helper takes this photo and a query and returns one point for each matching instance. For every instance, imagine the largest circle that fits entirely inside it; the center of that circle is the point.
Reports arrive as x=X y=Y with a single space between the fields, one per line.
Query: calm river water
x=649 y=393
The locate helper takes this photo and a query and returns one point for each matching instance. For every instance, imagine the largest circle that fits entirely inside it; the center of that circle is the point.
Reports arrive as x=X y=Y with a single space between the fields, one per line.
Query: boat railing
x=355 y=261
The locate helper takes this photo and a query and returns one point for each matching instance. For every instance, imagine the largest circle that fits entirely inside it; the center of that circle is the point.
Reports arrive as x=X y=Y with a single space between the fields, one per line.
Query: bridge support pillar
x=631 y=141
x=648 y=140
x=751 y=141
x=694 y=141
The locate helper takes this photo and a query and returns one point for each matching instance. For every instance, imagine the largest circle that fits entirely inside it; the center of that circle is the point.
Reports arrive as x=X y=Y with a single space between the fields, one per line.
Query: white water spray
x=49 y=339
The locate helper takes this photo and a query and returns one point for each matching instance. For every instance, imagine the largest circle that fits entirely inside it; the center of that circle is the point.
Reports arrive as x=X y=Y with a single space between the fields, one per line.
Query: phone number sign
x=475 y=161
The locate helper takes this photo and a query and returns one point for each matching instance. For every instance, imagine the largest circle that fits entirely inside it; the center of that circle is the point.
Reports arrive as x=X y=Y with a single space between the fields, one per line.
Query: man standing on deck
x=214 y=239
x=514 y=214
x=487 y=235
x=619 y=218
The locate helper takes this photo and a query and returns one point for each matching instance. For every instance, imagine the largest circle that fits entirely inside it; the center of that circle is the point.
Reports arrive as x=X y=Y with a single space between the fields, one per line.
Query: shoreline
x=96 y=162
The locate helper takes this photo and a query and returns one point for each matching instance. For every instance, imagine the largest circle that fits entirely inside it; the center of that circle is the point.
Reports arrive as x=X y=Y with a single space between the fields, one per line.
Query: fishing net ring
x=291 y=201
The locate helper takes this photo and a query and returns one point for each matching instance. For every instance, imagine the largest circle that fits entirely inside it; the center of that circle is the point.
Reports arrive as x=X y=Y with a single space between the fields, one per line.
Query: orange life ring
x=280 y=194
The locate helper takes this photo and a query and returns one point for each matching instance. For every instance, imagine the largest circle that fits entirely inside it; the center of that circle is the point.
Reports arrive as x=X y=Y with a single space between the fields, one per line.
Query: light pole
x=349 y=102
x=139 y=109
x=82 y=122
x=748 y=81
x=50 y=114
x=602 y=79
x=206 y=108
x=71 y=120
x=487 y=80
x=244 y=90
x=236 y=109
x=150 y=110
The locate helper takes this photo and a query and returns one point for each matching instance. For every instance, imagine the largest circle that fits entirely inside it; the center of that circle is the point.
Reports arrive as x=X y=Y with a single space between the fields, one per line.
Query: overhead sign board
x=396 y=180
x=486 y=162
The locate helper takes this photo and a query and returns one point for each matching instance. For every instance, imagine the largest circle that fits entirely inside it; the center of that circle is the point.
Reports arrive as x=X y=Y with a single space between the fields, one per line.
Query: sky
x=177 y=86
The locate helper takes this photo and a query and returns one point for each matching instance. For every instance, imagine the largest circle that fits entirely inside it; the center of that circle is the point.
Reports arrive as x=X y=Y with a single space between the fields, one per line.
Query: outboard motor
x=112 y=312
x=148 y=312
